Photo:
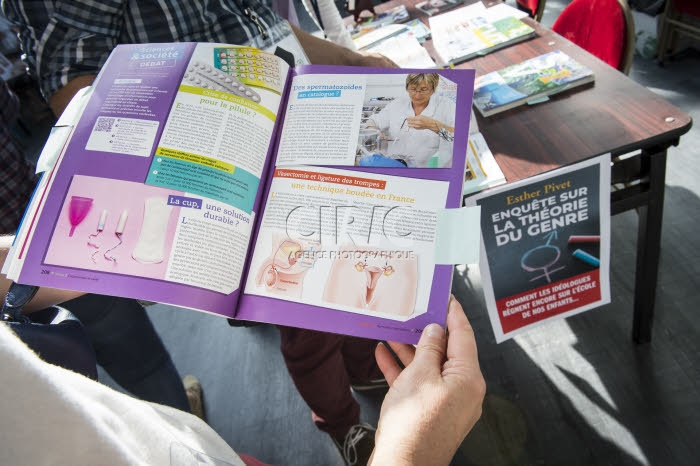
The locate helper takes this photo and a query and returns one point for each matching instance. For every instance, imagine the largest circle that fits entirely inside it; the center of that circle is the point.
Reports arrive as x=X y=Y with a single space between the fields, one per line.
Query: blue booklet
x=528 y=82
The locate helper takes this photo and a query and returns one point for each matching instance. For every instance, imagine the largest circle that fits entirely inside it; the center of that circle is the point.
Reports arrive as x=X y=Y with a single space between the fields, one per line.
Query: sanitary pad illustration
x=373 y=279
x=284 y=271
x=151 y=244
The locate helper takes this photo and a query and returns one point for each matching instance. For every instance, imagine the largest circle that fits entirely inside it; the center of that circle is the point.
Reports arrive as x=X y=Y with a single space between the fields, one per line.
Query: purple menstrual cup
x=78 y=210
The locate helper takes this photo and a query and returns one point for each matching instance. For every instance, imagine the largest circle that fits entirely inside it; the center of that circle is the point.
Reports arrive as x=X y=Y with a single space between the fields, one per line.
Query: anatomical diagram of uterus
x=372 y=279
x=284 y=271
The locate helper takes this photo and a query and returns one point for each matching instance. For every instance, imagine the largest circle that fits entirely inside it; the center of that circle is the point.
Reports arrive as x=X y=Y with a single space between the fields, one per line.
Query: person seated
x=66 y=46
x=125 y=343
x=429 y=409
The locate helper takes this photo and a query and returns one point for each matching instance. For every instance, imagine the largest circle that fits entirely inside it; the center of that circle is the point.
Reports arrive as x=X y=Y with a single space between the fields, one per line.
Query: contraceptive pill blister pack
x=250 y=66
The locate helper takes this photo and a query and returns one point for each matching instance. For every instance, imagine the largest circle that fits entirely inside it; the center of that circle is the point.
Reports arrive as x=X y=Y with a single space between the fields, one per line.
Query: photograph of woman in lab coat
x=419 y=126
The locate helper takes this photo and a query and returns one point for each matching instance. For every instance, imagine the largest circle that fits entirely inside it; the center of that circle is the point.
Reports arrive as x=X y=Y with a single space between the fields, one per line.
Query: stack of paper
x=405 y=51
x=482 y=169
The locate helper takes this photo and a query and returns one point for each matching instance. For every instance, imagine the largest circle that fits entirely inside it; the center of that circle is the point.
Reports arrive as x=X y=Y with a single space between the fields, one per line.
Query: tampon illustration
x=92 y=239
x=118 y=232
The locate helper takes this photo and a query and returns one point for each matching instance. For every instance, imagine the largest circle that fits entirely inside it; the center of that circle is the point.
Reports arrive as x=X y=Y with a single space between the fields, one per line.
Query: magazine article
x=156 y=181
x=546 y=246
x=187 y=178
x=350 y=241
x=368 y=120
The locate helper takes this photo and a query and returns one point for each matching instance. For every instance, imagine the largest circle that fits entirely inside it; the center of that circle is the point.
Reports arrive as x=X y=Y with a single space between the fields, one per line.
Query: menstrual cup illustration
x=78 y=210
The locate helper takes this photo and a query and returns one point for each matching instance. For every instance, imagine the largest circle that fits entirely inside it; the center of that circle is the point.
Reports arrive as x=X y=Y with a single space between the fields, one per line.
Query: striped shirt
x=17 y=177
x=65 y=39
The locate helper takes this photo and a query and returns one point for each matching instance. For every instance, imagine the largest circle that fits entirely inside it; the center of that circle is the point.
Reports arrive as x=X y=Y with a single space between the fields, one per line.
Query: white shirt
x=418 y=145
x=54 y=416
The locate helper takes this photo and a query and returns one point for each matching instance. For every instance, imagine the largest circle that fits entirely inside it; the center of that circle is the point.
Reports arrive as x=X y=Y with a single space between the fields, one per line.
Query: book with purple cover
x=217 y=178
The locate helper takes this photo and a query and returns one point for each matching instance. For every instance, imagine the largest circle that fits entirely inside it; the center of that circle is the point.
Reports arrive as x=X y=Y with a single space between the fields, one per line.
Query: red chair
x=675 y=20
x=604 y=28
x=534 y=8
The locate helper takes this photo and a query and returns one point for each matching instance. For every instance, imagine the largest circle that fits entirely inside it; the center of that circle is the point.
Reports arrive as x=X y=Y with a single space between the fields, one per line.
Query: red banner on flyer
x=547 y=301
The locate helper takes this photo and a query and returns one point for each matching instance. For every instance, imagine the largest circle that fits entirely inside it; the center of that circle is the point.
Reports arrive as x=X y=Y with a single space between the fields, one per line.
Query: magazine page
x=348 y=241
x=546 y=246
x=360 y=186
x=368 y=118
x=155 y=194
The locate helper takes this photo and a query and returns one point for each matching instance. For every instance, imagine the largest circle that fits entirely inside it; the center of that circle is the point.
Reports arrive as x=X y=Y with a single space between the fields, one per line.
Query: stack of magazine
x=375 y=29
x=475 y=30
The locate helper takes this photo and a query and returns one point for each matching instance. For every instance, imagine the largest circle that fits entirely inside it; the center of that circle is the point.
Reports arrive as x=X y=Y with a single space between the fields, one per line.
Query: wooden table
x=615 y=115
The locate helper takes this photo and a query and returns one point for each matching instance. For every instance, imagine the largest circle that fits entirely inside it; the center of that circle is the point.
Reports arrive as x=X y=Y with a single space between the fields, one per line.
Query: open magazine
x=218 y=178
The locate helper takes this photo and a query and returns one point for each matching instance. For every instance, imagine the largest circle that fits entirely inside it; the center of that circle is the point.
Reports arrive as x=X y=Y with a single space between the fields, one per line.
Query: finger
x=387 y=364
x=405 y=352
x=461 y=343
x=430 y=352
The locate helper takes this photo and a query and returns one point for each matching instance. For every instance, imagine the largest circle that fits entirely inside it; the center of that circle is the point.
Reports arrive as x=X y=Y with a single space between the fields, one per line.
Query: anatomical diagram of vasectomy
x=373 y=279
x=283 y=272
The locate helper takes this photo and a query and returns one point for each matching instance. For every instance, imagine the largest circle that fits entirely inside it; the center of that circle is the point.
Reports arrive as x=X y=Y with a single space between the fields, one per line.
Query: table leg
x=649 y=245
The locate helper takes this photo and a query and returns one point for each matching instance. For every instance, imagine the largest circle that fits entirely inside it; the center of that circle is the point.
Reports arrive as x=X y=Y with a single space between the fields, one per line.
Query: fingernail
x=433 y=330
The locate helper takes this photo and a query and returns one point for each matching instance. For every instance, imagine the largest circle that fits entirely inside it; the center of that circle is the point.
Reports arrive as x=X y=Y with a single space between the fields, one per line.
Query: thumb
x=431 y=350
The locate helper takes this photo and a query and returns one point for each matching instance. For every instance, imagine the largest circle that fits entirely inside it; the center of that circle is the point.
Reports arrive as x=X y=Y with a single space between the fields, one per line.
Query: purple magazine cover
x=152 y=74
x=271 y=310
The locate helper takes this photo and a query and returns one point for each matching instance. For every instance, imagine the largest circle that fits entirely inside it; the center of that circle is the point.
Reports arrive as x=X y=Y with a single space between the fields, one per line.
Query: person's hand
x=374 y=60
x=422 y=122
x=435 y=401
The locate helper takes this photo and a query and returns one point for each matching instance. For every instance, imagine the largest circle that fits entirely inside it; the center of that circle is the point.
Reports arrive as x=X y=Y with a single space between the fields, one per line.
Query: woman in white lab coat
x=419 y=126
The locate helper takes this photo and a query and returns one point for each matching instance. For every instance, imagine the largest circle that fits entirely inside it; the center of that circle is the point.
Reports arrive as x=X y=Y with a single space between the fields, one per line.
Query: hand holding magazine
x=217 y=178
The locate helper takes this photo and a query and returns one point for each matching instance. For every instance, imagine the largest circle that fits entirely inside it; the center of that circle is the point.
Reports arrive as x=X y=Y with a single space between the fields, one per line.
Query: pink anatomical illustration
x=373 y=279
x=284 y=271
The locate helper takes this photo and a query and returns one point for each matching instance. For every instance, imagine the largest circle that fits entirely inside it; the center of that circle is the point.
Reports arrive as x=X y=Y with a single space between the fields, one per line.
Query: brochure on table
x=482 y=169
x=475 y=30
x=404 y=50
x=434 y=7
x=546 y=246
x=167 y=190
x=530 y=81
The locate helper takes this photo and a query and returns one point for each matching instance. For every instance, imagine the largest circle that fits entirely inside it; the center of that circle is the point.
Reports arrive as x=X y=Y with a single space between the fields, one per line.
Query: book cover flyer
x=546 y=246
